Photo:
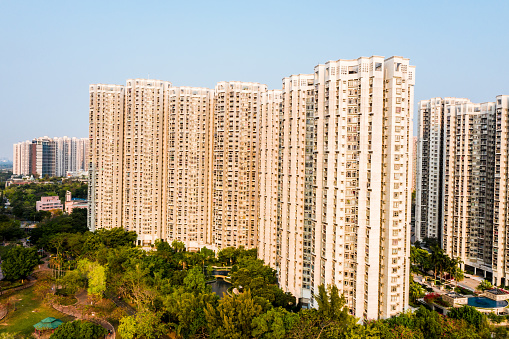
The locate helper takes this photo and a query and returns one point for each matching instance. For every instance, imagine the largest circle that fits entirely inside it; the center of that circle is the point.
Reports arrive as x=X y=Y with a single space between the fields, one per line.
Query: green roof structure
x=49 y=323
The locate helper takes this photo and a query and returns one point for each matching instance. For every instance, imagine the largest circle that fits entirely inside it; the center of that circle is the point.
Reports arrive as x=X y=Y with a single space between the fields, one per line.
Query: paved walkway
x=77 y=312
x=122 y=304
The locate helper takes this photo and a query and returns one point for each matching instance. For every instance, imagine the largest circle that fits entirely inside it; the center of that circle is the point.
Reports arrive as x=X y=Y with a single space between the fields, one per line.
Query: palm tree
x=437 y=259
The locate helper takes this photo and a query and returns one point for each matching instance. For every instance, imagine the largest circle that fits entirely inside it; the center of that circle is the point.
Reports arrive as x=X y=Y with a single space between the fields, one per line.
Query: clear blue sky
x=50 y=51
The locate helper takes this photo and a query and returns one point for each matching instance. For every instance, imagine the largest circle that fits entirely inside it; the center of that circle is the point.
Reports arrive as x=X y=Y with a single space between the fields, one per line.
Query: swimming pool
x=486 y=302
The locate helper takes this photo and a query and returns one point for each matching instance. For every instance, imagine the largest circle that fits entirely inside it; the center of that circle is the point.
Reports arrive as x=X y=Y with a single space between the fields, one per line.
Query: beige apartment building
x=500 y=261
x=106 y=131
x=235 y=164
x=318 y=175
x=270 y=108
x=345 y=171
x=176 y=163
x=294 y=259
x=187 y=181
x=146 y=109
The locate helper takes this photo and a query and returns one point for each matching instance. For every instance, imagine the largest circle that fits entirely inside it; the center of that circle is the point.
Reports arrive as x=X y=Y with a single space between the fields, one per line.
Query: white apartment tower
x=269 y=149
x=468 y=183
x=430 y=157
x=475 y=175
x=345 y=169
x=235 y=164
x=21 y=158
x=500 y=262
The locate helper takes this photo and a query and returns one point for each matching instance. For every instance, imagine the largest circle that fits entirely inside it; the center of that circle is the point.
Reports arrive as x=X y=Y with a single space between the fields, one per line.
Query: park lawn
x=29 y=311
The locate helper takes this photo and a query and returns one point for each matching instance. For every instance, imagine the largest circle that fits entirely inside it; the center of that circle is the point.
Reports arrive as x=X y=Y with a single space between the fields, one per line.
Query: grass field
x=29 y=311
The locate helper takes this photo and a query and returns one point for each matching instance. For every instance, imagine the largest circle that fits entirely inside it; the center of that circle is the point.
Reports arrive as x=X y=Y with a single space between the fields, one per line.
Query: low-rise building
x=497 y=294
x=72 y=203
x=455 y=299
x=49 y=204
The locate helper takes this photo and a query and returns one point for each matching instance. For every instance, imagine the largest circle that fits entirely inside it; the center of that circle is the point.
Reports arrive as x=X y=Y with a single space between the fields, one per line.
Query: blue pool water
x=486 y=302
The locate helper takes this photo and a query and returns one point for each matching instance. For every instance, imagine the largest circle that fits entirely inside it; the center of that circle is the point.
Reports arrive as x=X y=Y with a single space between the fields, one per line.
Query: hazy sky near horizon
x=50 y=51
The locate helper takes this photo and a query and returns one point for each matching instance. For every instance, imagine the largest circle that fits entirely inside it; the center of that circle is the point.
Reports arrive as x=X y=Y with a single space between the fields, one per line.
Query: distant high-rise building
x=52 y=157
x=461 y=188
x=429 y=192
x=21 y=158
x=344 y=193
x=44 y=159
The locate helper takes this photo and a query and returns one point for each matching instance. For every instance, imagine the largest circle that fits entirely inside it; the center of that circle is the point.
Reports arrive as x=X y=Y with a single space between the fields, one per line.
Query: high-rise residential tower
x=188 y=159
x=269 y=149
x=235 y=164
x=21 y=158
x=146 y=109
x=294 y=257
x=430 y=157
x=468 y=183
x=344 y=195
x=475 y=185
x=467 y=179
x=176 y=163
x=500 y=249
x=106 y=130
x=43 y=157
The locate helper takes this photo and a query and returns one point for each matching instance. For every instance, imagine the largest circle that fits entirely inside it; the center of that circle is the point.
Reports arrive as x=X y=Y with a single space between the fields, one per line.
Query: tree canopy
x=19 y=262
x=79 y=329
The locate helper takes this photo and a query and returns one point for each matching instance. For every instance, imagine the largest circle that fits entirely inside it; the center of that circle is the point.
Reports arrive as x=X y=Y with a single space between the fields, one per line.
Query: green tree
x=416 y=291
x=195 y=281
x=116 y=237
x=274 y=324
x=144 y=324
x=233 y=317
x=10 y=229
x=127 y=327
x=420 y=259
x=79 y=329
x=73 y=280
x=178 y=246
x=331 y=305
x=227 y=256
x=95 y=273
x=186 y=311
x=438 y=260
x=470 y=315
x=19 y=262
